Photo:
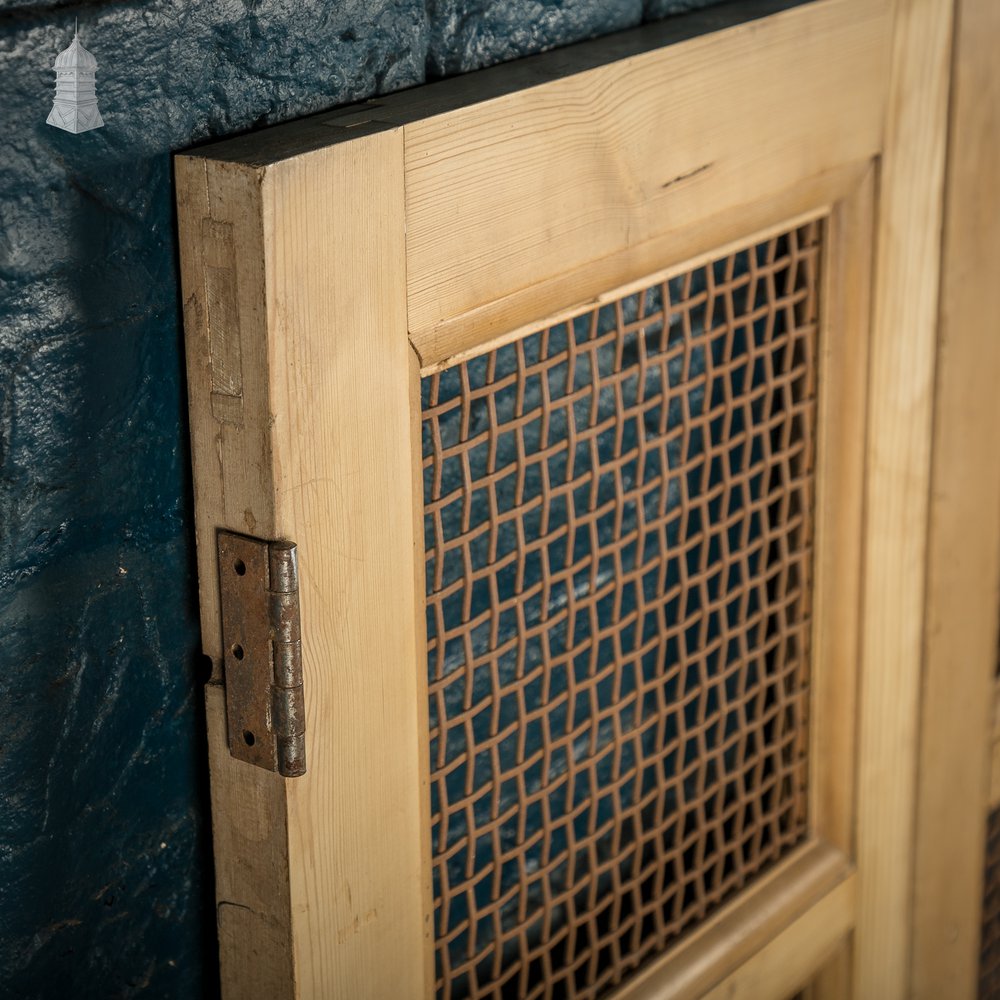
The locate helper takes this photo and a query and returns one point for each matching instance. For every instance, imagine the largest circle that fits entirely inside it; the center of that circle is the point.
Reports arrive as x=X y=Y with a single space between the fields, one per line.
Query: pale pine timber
x=315 y=447
x=226 y=376
x=841 y=427
x=811 y=890
x=908 y=244
x=963 y=570
x=548 y=196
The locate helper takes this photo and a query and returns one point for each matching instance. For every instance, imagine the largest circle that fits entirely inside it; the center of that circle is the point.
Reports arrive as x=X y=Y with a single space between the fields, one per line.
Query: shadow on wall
x=103 y=801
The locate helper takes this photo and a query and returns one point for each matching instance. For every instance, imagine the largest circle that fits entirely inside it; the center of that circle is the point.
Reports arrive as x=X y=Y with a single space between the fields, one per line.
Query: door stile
x=323 y=876
x=220 y=222
x=963 y=591
x=908 y=243
x=339 y=368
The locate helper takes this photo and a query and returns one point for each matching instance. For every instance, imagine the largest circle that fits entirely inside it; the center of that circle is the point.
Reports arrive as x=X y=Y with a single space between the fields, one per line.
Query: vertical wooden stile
x=842 y=423
x=324 y=872
x=843 y=367
x=227 y=371
x=897 y=490
x=963 y=585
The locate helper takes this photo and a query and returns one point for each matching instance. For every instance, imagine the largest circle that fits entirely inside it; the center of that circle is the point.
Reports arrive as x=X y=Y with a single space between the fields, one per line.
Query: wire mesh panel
x=618 y=518
x=989 y=954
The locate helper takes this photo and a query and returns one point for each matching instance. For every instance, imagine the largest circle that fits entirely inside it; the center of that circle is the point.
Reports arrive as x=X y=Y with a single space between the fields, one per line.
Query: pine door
x=595 y=393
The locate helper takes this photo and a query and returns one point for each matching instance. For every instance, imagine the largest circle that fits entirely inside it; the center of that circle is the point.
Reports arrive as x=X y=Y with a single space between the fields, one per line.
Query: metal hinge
x=262 y=646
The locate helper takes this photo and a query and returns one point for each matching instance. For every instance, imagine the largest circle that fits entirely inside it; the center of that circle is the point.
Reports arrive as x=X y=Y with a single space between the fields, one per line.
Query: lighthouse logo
x=75 y=106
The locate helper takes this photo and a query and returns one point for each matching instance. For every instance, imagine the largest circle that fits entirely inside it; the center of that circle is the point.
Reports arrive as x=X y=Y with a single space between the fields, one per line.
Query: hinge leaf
x=262 y=647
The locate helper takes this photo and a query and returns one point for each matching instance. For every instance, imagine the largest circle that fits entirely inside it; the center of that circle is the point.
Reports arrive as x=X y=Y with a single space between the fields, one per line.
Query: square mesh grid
x=618 y=518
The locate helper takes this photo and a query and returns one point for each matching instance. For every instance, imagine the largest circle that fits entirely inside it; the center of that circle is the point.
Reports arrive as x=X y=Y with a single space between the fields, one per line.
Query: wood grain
x=315 y=447
x=834 y=979
x=339 y=370
x=785 y=963
x=963 y=571
x=510 y=202
x=841 y=430
x=230 y=448
x=897 y=492
x=812 y=888
x=615 y=275
x=250 y=834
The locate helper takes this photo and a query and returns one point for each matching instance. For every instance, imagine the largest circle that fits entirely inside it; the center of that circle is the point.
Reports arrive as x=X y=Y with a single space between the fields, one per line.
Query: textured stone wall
x=105 y=877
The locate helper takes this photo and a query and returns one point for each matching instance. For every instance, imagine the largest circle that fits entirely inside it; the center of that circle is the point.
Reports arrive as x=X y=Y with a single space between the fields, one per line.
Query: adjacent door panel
x=595 y=391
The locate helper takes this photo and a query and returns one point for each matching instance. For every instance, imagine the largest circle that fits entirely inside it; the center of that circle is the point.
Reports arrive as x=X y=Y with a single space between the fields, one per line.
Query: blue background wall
x=105 y=868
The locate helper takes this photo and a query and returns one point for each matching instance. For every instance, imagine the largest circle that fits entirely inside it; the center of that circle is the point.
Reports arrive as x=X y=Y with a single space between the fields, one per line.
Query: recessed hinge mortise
x=262 y=652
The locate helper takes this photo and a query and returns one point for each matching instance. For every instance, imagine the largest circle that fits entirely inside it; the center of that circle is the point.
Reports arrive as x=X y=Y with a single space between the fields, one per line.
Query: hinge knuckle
x=261 y=629
x=290 y=723
x=292 y=756
x=287 y=664
x=284 y=568
x=289 y=711
x=285 y=617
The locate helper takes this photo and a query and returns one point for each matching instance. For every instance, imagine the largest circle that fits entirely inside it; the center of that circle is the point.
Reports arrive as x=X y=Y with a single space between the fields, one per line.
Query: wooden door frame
x=327 y=263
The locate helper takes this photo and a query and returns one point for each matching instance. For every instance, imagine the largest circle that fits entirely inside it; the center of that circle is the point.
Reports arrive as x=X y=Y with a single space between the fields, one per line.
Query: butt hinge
x=262 y=652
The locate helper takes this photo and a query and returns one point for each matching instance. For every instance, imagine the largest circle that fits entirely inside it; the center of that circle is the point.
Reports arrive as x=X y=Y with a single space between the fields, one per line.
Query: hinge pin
x=289 y=710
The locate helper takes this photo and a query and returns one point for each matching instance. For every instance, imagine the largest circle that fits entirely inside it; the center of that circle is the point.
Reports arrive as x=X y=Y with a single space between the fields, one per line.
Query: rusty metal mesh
x=618 y=517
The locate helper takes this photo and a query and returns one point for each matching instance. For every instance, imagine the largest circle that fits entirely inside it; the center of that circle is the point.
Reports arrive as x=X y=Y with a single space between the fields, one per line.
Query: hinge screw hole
x=237 y=651
x=240 y=566
x=249 y=738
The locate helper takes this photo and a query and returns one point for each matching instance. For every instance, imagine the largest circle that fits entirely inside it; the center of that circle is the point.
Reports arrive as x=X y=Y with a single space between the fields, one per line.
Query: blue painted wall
x=105 y=870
